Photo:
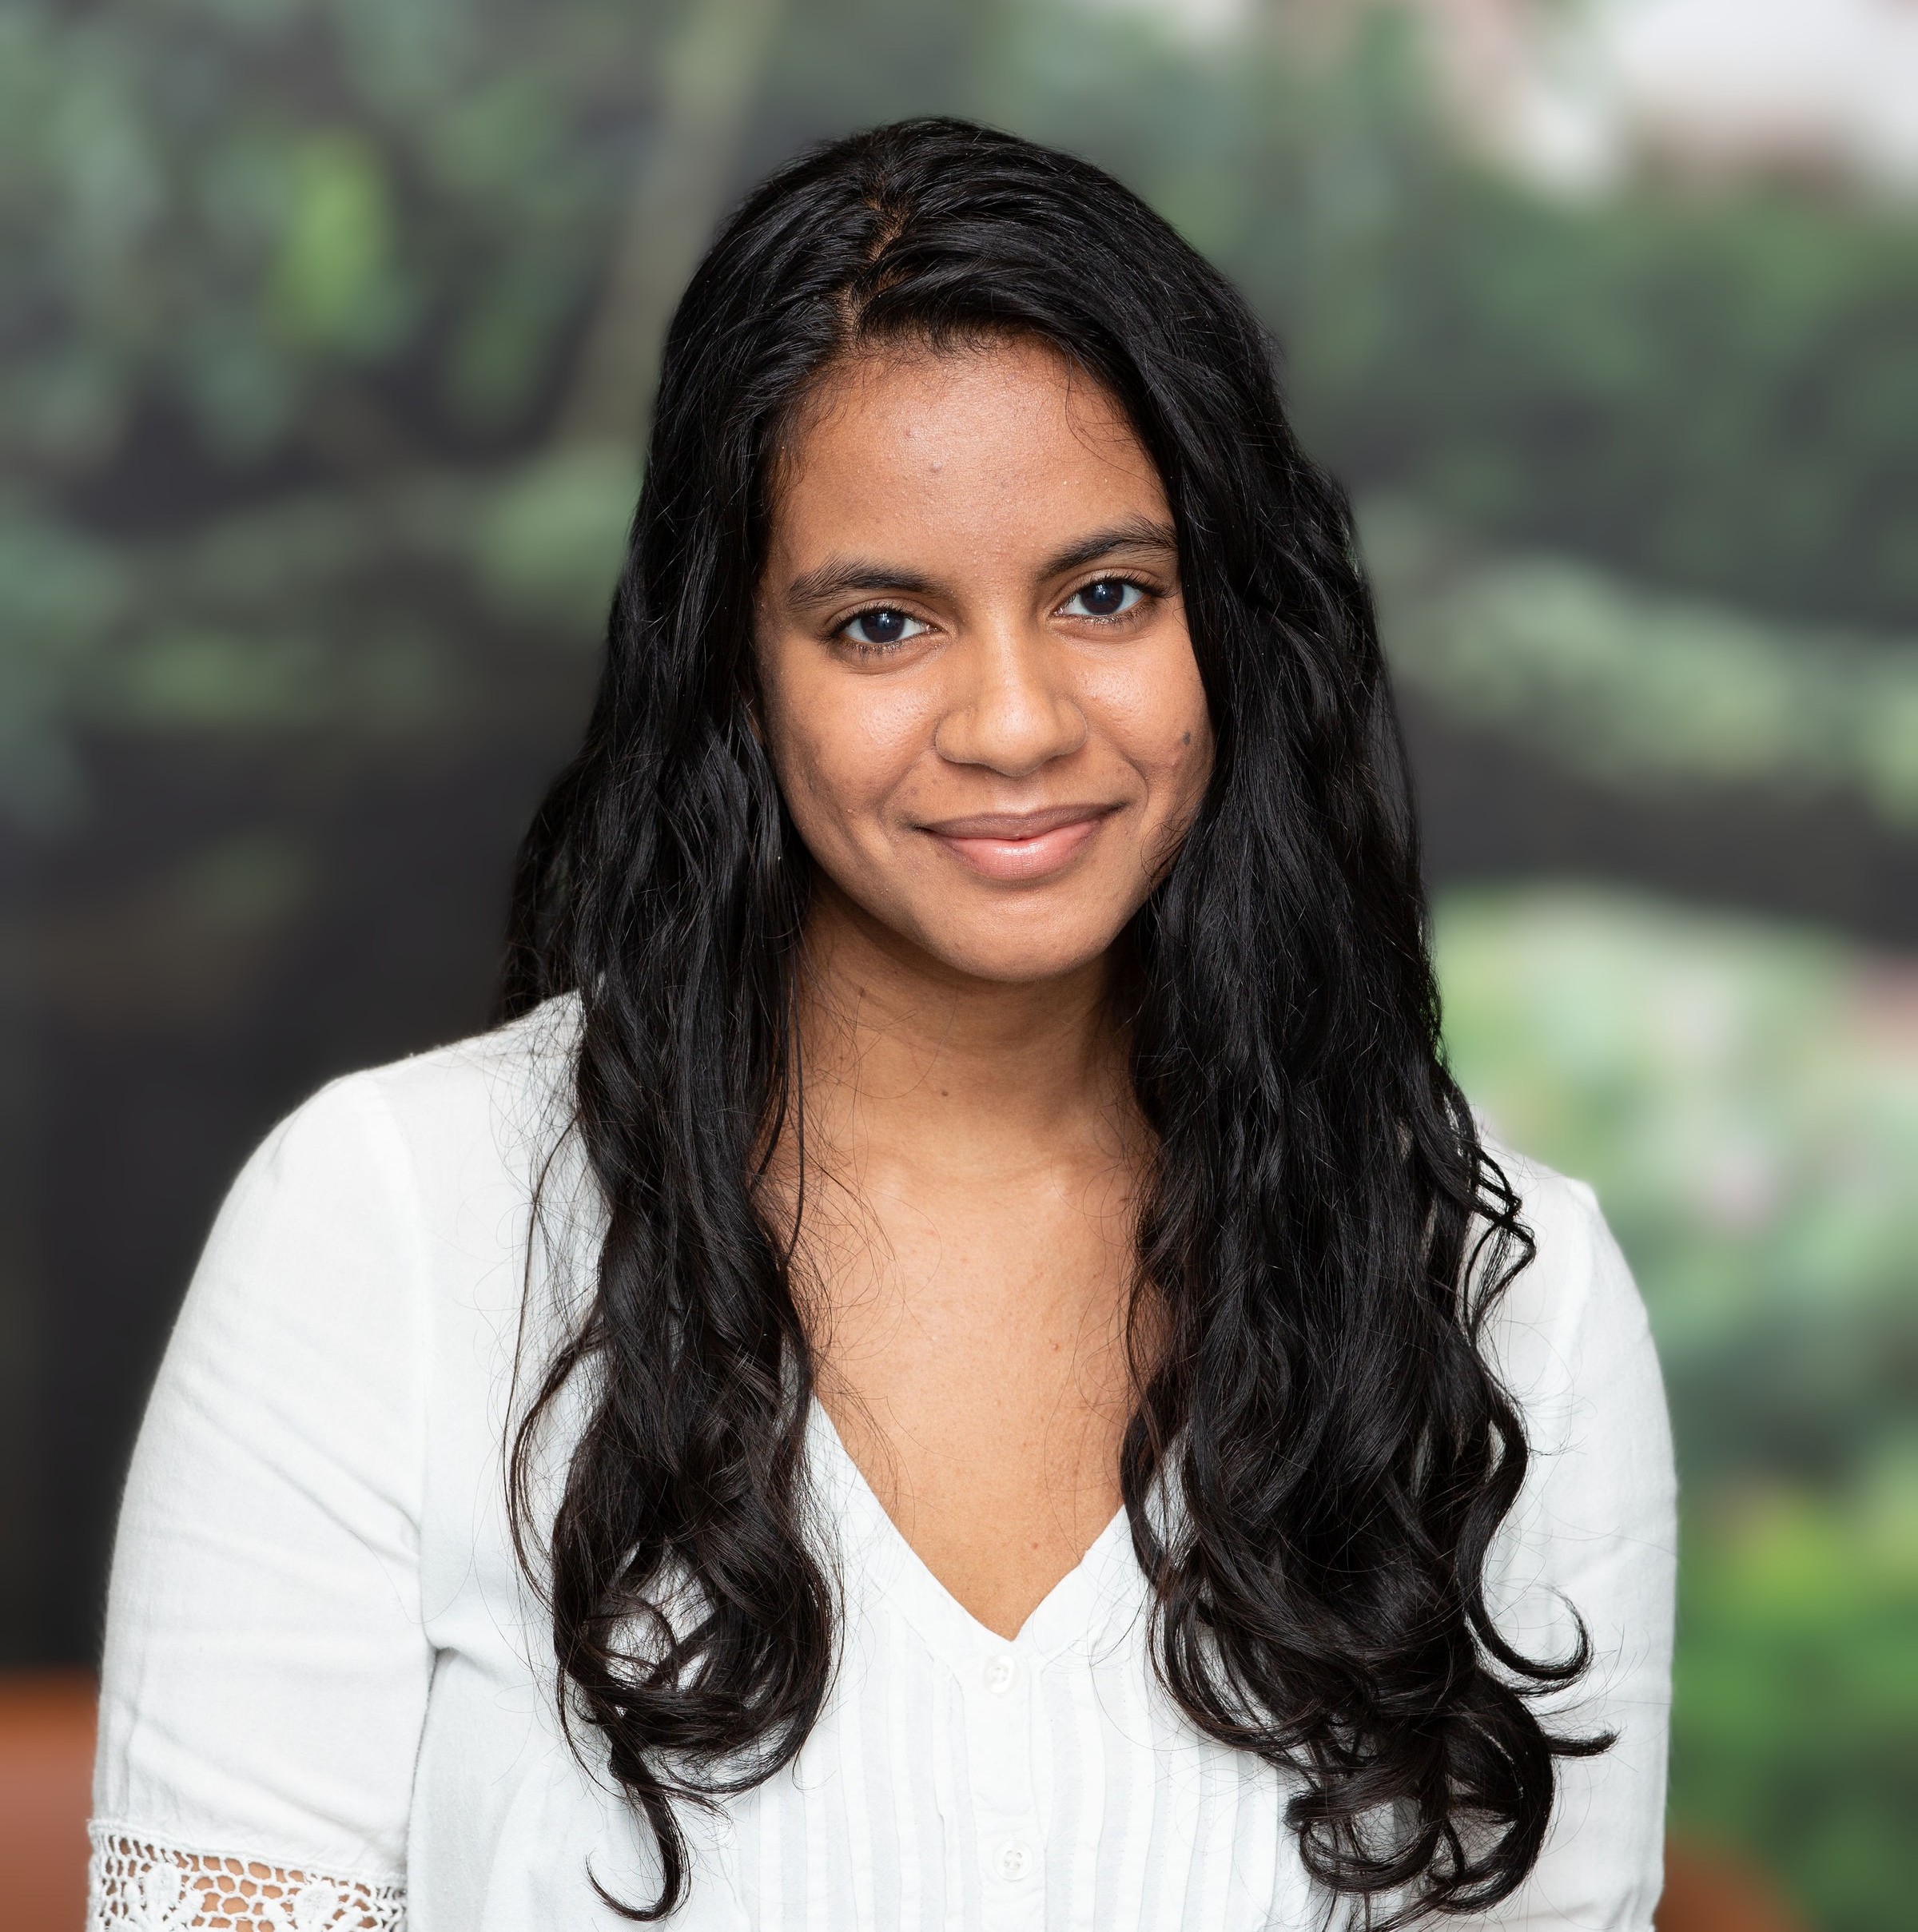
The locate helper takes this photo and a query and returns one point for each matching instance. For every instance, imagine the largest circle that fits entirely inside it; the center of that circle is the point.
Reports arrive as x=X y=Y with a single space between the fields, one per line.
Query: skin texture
x=991 y=747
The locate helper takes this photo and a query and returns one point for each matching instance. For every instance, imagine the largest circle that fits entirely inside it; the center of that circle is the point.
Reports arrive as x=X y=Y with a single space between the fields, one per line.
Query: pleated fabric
x=960 y=1780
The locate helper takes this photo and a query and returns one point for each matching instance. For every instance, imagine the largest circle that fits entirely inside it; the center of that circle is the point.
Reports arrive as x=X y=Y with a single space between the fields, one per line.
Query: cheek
x=840 y=747
x=1153 y=709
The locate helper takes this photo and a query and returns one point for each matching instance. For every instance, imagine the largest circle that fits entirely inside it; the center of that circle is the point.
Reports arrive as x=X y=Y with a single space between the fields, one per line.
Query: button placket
x=1000 y=1703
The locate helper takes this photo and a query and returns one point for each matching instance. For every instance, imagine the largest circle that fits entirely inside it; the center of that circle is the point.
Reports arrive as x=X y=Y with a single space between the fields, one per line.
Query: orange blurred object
x=46 y=1773
x=1712 y=1891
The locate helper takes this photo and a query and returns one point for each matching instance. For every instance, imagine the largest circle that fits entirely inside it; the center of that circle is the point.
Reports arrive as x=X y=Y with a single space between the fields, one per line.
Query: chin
x=992 y=952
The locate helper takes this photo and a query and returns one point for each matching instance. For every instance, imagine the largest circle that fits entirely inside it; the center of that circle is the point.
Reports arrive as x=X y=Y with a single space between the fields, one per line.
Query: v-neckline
x=882 y=1558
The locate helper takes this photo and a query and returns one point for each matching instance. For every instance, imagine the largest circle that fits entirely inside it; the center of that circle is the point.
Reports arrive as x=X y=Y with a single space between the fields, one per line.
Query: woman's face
x=979 y=694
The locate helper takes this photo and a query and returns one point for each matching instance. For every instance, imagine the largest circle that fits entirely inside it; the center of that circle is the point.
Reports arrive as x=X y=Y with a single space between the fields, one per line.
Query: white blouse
x=328 y=1702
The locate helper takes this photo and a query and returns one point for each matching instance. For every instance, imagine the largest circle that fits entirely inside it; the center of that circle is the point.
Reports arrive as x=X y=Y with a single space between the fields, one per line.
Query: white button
x=1016 y=1861
x=1001 y=1674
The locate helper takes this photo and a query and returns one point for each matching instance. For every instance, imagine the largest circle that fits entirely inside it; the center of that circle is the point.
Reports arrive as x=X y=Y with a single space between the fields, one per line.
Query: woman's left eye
x=1109 y=597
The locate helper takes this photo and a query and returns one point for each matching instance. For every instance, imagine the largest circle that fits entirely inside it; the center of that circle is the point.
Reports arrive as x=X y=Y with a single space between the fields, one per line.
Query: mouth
x=1021 y=845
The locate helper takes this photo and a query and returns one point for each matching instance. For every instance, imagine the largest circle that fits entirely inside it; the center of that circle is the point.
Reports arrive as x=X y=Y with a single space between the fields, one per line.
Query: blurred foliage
x=1715 y=396
x=1634 y=686
x=301 y=280
x=416 y=606
x=1745 y=1099
x=1796 y=1720
x=319 y=234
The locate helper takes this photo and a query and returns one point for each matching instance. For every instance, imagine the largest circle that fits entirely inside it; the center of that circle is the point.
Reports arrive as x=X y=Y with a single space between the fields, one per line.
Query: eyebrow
x=835 y=579
x=1134 y=533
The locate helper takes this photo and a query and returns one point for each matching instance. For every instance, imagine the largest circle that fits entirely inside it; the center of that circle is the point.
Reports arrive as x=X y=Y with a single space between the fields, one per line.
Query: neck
x=907 y=1060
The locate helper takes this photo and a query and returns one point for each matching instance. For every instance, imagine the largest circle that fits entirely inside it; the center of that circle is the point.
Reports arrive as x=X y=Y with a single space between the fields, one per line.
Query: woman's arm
x=1595 y=1531
x=266 y=1670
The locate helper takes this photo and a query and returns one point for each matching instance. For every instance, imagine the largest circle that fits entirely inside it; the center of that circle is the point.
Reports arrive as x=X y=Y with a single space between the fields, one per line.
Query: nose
x=1013 y=710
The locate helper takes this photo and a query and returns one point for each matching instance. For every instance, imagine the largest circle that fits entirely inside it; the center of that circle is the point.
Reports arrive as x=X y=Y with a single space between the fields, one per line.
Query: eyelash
x=1147 y=594
x=865 y=647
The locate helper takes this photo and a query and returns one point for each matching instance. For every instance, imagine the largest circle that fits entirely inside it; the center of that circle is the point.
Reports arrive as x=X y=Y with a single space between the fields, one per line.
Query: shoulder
x=1587 y=1555
x=382 y=1189
x=482 y=1110
x=1570 y=1327
x=511 y=1085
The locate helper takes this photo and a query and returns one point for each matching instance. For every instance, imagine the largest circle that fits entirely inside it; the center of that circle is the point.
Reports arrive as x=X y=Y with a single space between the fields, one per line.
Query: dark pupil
x=883 y=626
x=1104 y=599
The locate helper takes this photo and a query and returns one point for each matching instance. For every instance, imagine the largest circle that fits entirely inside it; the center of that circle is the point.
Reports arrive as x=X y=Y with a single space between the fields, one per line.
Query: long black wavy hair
x=1322 y=1235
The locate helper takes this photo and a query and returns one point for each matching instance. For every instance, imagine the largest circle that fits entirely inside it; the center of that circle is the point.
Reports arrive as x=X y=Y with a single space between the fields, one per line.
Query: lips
x=1021 y=845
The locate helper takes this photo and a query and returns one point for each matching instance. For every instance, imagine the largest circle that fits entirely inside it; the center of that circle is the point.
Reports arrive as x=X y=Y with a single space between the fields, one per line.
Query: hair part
x=1323 y=1234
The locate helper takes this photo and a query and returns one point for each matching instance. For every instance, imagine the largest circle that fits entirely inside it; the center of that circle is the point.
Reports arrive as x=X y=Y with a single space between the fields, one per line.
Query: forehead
x=997 y=445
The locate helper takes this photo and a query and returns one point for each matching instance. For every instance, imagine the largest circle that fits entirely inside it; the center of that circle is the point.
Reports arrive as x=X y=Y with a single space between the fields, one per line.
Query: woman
x=959 y=1359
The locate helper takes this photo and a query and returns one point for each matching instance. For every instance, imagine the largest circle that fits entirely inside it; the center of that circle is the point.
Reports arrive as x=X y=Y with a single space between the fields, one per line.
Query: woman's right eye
x=878 y=629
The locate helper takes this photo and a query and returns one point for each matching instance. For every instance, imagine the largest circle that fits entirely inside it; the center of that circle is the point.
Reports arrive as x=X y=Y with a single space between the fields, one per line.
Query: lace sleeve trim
x=143 y=1885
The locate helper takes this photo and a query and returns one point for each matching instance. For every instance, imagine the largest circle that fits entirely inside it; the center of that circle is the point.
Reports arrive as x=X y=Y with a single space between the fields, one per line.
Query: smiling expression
x=979 y=692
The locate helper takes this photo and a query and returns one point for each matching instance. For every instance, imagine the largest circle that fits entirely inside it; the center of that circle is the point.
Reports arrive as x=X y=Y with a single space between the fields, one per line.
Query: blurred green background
x=325 y=338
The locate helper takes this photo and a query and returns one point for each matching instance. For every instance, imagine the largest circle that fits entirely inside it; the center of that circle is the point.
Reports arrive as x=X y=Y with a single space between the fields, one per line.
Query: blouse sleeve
x=266 y=1670
x=1594 y=1532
